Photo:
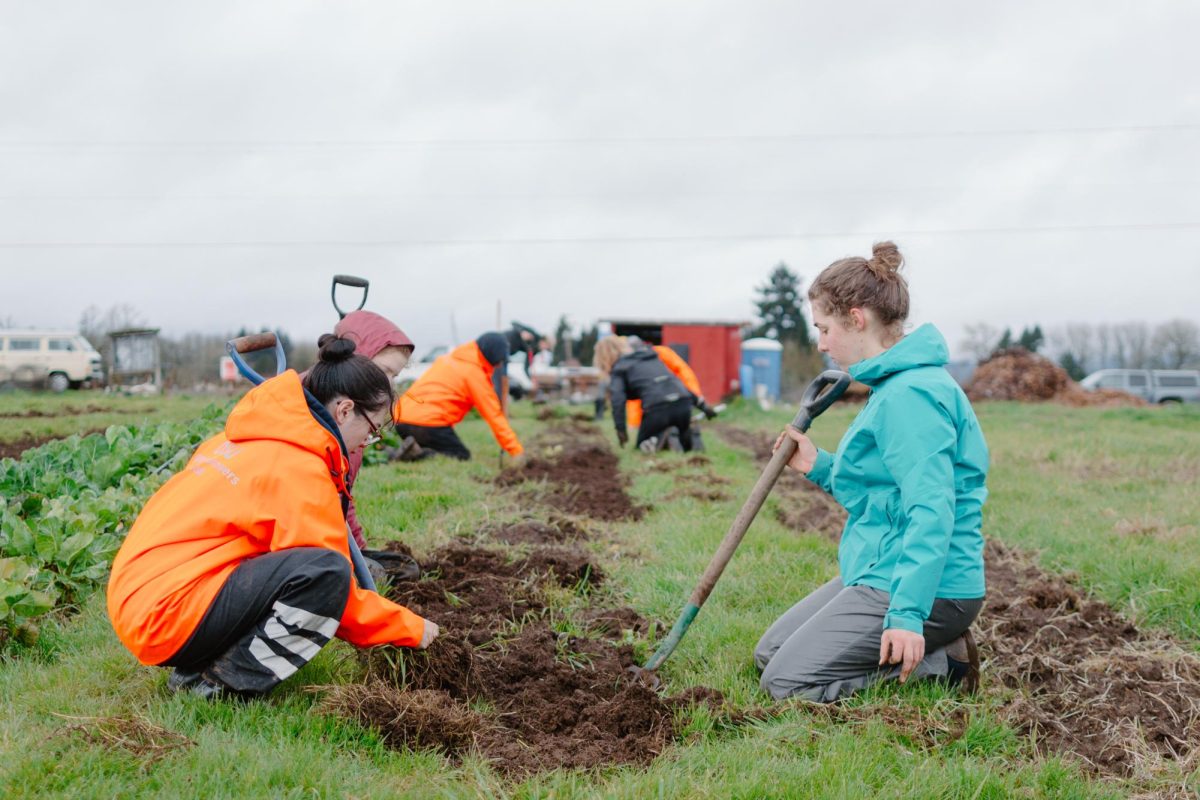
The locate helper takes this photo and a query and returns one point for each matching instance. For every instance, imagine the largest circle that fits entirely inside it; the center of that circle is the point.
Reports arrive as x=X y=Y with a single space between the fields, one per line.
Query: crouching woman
x=911 y=473
x=238 y=570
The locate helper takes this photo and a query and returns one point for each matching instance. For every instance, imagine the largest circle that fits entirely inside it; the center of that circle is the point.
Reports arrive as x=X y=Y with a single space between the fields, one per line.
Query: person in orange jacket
x=238 y=570
x=456 y=383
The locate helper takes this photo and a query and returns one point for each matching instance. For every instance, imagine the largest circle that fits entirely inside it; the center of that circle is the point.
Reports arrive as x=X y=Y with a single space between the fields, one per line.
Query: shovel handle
x=353 y=281
x=811 y=406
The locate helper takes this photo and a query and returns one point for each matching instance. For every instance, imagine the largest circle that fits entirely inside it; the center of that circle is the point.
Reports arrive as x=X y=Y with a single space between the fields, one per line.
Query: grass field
x=1109 y=495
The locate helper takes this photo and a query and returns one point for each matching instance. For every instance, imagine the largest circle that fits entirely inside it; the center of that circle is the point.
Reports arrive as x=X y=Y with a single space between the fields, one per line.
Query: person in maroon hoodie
x=380 y=340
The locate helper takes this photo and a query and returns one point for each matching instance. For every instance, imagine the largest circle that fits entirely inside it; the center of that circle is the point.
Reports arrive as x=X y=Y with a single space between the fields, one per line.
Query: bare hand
x=431 y=632
x=806 y=452
x=899 y=646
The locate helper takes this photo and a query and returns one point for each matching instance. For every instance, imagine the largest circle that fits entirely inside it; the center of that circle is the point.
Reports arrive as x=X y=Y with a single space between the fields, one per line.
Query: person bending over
x=637 y=373
x=456 y=383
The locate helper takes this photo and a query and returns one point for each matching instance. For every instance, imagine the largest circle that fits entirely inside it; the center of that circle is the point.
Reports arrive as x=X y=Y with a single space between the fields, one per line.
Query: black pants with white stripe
x=274 y=613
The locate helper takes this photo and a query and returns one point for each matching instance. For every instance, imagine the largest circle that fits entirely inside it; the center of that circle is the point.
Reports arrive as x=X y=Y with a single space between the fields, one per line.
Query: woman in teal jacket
x=911 y=474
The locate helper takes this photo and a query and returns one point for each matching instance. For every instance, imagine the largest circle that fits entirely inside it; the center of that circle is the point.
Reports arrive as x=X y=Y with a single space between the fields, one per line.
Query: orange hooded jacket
x=675 y=363
x=273 y=480
x=456 y=383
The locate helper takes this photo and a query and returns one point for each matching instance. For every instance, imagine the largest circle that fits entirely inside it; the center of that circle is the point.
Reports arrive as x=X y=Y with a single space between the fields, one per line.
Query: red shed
x=712 y=348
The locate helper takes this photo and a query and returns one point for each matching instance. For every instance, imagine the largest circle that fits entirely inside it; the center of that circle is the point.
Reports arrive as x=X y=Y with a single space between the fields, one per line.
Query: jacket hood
x=471 y=354
x=371 y=333
x=279 y=409
x=924 y=347
x=641 y=352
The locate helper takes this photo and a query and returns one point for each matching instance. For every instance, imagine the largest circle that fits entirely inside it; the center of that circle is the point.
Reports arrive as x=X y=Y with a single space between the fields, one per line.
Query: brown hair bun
x=885 y=261
x=335 y=350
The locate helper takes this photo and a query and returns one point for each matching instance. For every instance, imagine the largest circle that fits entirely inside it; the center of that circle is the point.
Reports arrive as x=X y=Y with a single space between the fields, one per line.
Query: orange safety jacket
x=456 y=383
x=675 y=363
x=274 y=479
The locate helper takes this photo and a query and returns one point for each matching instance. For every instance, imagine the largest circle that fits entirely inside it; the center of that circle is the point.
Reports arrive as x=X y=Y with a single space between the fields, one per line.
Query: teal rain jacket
x=911 y=472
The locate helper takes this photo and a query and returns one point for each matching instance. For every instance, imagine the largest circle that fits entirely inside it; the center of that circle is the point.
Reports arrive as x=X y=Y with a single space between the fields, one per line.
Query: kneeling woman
x=238 y=570
x=910 y=471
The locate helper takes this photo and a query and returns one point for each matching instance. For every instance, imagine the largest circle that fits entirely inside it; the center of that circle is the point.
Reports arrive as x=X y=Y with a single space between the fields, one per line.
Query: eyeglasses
x=377 y=431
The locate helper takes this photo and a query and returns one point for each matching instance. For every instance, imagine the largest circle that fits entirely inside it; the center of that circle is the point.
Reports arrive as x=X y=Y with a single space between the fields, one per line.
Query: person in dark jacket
x=637 y=373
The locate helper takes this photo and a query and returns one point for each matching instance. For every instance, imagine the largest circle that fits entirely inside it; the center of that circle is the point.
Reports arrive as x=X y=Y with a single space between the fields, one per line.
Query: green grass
x=280 y=748
x=101 y=410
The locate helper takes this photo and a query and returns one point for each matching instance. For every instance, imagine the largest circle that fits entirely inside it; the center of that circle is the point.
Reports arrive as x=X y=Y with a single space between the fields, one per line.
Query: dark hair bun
x=333 y=349
x=885 y=260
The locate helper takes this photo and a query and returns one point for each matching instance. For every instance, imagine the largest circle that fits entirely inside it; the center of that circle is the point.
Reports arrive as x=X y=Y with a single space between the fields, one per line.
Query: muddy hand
x=899 y=646
x=806 y=452
x=431 y=632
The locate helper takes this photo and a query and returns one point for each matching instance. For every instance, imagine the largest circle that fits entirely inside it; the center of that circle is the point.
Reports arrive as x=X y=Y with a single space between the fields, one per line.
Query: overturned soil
x=580 y=472
x=1017 y=374
x=1080 y=679
x=72 y=411
x=1089 y=682
x=503 y=682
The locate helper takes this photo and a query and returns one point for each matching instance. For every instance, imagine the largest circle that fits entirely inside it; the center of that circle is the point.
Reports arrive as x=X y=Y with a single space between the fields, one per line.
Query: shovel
x=832 y=383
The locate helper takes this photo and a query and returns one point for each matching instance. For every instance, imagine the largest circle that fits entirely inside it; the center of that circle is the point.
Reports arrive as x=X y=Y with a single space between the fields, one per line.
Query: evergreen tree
x=1031 y=338
x=562 y=336
x=1072 y=367
x=779 y=307
x=1006 y=341
x=585 y=351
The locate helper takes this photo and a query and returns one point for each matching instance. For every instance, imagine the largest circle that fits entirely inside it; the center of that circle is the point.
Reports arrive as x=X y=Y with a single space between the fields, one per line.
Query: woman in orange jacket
x=456 y=383
x=238 y=571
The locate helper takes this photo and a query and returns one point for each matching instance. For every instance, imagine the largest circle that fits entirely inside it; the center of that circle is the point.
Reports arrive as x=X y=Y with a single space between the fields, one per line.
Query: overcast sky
x=214 y=164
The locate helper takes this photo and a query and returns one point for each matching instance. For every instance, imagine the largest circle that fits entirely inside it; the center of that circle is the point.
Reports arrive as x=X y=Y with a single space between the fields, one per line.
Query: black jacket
x=641 y=375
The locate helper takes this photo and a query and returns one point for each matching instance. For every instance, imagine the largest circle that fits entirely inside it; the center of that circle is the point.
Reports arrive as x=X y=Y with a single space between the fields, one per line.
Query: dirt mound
x=1017 y=374
x=532 y=531
x=1090 y=684
x=803 y=506
x=17 y=447
x=582 y=478
x=614 y=621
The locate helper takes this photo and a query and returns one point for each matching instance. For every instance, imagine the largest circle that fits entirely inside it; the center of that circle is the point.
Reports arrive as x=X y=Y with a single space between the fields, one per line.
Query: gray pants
x=827 y=646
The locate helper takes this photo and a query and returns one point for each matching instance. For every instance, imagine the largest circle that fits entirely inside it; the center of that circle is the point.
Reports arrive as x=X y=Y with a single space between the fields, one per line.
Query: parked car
x=1153 y=385
x=57 y=360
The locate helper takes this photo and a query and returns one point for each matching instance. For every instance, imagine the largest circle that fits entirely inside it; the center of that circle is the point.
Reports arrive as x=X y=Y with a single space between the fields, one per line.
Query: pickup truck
x=1152 y=385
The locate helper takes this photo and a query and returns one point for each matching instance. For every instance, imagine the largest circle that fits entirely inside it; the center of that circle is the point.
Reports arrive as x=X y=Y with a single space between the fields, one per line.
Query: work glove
x=622 y=438
x=709 y=411
x=429 y=634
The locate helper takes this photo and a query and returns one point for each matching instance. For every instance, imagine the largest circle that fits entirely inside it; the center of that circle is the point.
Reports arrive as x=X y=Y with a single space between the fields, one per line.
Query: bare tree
x=1177 y=344
x=981 y=340
x=1133 y=344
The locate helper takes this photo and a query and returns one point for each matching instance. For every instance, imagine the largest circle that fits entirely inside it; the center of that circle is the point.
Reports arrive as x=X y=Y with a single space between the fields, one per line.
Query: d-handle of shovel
x=251 y=344
x=352 y=281
x=814 y=402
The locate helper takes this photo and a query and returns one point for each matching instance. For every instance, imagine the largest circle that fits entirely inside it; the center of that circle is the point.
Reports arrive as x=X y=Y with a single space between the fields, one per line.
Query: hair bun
x=334 y=350
x=885 y=260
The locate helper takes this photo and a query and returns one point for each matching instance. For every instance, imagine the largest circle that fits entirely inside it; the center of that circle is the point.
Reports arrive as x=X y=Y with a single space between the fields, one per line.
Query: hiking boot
x=962 y=658
x=396 y=567
x=650 y=445
x=180 y=681
x=672 y=441
x=408 y=450
x=697 y=442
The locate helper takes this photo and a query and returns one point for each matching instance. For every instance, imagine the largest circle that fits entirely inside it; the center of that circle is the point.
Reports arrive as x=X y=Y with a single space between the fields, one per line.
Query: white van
x=1153 y=385
x=55 y=359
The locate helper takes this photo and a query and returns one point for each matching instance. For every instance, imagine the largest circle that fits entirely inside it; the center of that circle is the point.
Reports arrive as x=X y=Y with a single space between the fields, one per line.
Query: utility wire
x=600 y=240
x=717 y=139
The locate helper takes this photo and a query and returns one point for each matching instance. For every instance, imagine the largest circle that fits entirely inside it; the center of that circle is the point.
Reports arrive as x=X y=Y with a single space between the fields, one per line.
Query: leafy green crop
x=66 y=506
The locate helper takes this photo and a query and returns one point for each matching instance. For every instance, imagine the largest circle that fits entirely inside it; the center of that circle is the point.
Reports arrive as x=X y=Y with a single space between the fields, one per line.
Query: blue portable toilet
x=762 y=364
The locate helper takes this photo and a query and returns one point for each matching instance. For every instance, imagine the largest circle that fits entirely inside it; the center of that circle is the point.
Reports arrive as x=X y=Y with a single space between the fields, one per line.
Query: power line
x=714 y=139
x=598 y=240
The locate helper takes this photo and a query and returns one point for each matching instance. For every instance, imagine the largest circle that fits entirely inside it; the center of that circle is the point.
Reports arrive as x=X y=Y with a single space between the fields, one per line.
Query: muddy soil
x=502 y=682
x=1085 y=681
x=72 y=411
x=580 y=472
x=1090 y=684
